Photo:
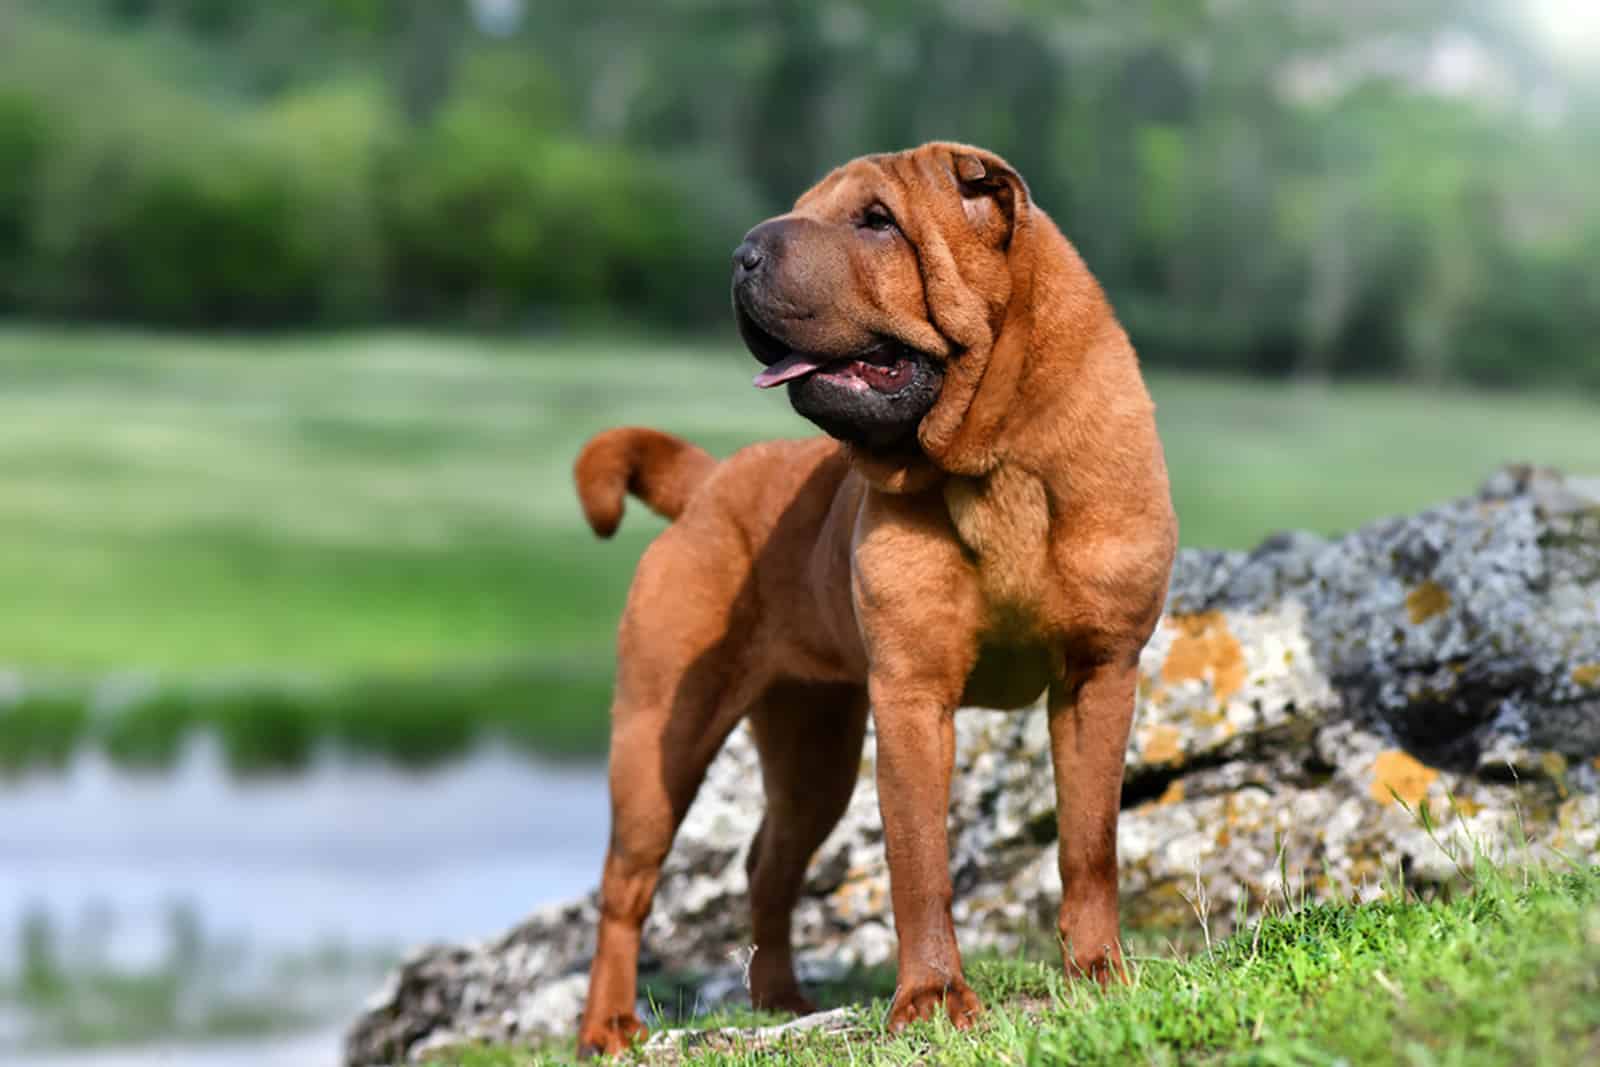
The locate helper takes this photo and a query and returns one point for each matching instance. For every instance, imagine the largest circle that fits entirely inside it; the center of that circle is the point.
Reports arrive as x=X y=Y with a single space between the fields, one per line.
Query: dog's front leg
x=918 y=609
x=916 y=750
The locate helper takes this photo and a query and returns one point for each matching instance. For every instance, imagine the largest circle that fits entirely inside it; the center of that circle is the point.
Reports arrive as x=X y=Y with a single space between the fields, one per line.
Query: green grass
x=373 y=502
x=274 y=724
x=393 y=507
x=1507 y=974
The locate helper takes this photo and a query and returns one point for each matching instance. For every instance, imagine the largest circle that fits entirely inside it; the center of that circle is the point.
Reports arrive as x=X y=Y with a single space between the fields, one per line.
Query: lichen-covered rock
x=1301 y=707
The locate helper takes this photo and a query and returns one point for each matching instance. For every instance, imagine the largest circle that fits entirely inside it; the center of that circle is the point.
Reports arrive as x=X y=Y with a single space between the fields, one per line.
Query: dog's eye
x=877 y=219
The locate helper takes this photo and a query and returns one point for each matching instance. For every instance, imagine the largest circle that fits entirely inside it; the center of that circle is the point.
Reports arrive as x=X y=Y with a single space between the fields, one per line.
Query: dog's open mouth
x=872 y=398
x=885 y=368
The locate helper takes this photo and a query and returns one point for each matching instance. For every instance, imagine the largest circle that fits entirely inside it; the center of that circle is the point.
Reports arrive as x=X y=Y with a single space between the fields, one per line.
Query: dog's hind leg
x=659 y=754
x=1090 y=717
x=809 y=738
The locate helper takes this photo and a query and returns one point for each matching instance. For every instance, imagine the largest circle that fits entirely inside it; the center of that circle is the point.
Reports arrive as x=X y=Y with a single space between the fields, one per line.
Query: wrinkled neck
x=909 y=471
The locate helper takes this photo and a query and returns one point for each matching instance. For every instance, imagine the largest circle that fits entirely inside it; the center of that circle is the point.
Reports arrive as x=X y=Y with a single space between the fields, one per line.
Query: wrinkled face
x=831 y=298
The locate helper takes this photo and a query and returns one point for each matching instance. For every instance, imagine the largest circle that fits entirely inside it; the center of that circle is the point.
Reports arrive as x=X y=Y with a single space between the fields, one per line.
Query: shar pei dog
x=986 y=519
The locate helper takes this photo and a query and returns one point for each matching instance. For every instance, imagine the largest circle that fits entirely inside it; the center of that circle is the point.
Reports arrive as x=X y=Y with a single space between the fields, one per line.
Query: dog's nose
x=748 y=256
x=761 y=249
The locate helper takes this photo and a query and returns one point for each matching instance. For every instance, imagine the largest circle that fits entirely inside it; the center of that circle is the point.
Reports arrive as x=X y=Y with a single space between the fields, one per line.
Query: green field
x=399 y=505
x=1503 y=976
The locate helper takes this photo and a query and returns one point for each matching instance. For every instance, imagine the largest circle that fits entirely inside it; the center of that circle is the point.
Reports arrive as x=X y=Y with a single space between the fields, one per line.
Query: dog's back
x=767 y=528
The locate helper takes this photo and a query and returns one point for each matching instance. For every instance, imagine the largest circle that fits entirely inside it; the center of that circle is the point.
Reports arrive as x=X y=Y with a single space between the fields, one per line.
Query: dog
x=987 y=519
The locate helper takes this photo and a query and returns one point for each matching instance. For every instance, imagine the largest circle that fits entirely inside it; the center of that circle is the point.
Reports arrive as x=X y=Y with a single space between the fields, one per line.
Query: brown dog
x=992 y=522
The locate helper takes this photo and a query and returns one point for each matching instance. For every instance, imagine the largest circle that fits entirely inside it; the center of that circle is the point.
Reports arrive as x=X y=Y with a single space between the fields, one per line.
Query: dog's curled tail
x=658 y=468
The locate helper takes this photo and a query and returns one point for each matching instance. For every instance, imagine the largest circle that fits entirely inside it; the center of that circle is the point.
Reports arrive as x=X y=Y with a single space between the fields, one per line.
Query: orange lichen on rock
x=1587 y=675
x=1205 y=649
x=1160 y=744
x=1396 y=773
x=1426 y=601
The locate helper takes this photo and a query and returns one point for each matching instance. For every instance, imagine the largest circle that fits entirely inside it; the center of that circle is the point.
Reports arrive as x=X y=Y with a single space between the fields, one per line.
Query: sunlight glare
x=1571 y=26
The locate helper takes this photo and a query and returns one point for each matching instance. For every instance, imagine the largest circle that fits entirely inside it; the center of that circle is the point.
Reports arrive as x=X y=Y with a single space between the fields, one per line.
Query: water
x=277 y=900
x=298 y=1050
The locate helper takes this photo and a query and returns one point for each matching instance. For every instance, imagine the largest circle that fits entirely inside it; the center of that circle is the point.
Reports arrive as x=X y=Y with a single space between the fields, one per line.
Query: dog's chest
x=1003 y=519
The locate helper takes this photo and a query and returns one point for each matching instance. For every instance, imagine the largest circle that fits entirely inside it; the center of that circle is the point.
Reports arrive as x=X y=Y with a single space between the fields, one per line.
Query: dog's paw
x=1106 y=968
x=790 y=1000
x=612 y=1037
x=956 y=1000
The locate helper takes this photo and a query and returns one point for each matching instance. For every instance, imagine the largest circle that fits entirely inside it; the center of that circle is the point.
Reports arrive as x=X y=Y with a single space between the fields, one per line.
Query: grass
x=383 y=510
x=377 y=502
x=1508 y=973
x=274 y=724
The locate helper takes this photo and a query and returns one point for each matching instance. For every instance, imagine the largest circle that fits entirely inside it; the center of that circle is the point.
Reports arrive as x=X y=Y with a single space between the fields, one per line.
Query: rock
x=669 y=1046
x=1300 y=706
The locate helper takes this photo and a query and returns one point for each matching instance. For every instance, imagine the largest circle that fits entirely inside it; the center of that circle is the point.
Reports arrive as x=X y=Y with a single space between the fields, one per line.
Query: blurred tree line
x=1324 y=187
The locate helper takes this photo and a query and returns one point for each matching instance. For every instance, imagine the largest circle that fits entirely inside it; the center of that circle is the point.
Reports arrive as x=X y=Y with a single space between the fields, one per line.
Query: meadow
x=373 y=536
x=1503 y=973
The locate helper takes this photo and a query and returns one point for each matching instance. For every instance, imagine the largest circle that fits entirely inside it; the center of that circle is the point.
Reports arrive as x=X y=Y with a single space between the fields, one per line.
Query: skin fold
x=989 y=520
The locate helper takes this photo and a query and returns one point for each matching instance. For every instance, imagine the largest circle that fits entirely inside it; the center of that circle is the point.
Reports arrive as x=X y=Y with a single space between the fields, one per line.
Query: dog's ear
x=993 y=195
x=979 y=285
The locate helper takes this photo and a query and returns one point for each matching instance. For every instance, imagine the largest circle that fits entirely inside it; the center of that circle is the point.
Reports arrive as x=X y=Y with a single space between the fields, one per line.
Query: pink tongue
x=787 y=369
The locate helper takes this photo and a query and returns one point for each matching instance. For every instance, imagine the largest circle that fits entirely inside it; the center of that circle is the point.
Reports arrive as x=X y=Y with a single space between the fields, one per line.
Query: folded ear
x=993 y=195
x=978 y=283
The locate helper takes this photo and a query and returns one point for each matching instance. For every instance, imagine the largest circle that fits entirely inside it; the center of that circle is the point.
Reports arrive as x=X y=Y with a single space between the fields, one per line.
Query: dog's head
x=884 y=300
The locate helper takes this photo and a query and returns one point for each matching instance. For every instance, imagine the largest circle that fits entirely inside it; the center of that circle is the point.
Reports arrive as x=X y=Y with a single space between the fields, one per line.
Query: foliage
x=22 y=145
x=1262 y=187
x=129 y=197
x=489 y=216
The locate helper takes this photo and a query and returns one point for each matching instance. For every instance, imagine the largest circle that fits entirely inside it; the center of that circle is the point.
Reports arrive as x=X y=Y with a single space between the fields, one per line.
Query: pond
x=193 y=917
